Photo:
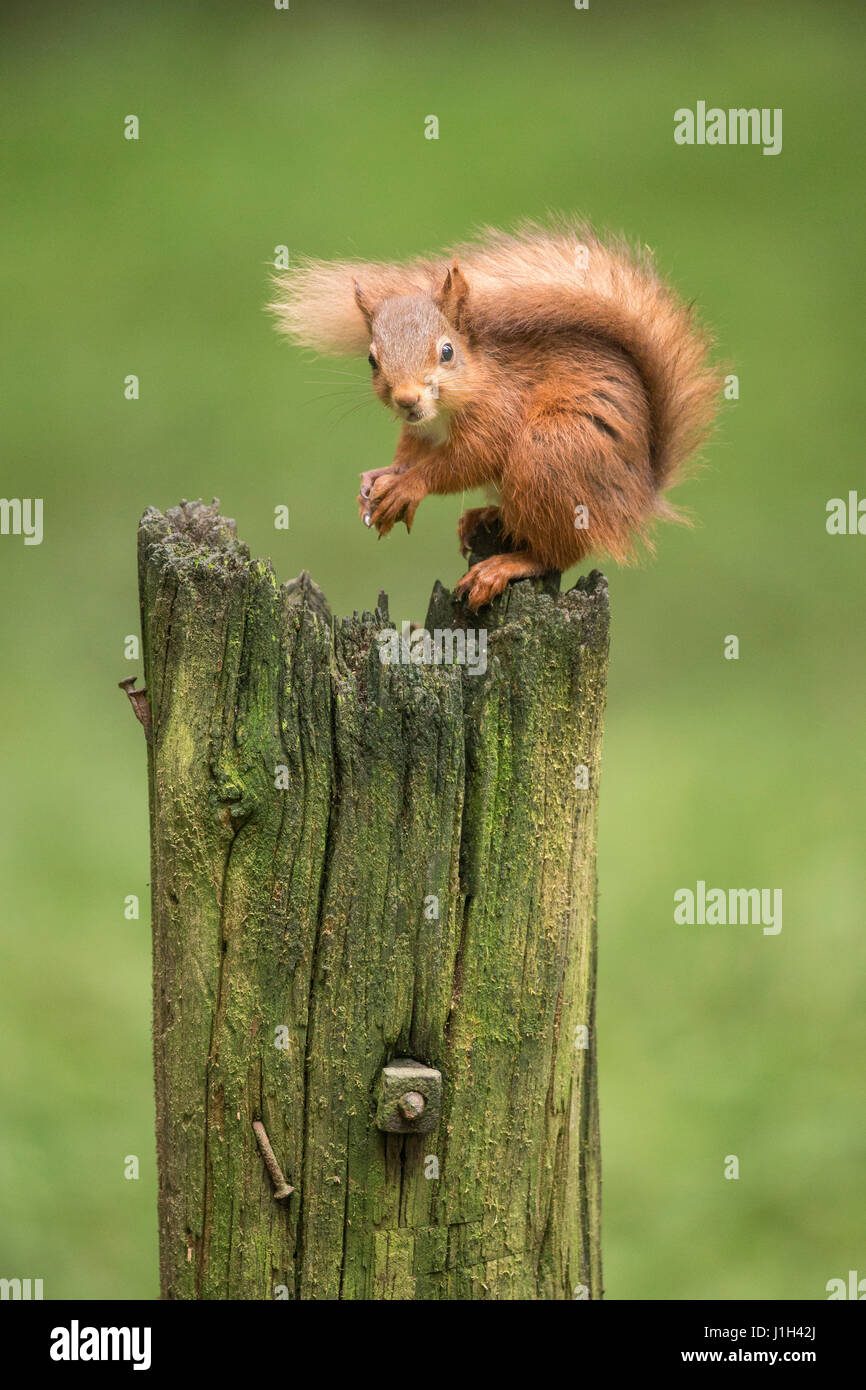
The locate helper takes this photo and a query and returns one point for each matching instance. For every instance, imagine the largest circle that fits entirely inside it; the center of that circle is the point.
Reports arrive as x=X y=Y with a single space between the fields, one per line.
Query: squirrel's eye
x=373 y=363
x=447 y=353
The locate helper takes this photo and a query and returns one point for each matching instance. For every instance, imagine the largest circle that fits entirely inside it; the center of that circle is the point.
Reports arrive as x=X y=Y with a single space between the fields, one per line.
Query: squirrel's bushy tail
x=534 y=283
x=538 y=281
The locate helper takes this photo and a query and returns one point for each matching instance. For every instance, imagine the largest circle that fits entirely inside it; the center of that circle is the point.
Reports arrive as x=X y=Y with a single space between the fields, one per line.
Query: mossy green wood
x=353 y=861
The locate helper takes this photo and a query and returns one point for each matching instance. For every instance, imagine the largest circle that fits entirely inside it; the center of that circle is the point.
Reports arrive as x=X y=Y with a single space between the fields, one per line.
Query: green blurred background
x=305 y=128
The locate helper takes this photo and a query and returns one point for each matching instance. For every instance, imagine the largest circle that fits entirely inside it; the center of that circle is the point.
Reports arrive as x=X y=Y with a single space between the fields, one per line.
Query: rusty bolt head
x=408 y=1097
x=411 y=1105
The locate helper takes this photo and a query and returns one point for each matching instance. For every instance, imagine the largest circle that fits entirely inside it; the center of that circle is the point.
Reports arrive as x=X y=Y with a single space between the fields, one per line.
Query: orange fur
x=576 y=378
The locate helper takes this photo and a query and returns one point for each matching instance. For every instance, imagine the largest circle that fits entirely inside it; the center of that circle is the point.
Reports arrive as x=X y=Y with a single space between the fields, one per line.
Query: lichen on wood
x=354 y=861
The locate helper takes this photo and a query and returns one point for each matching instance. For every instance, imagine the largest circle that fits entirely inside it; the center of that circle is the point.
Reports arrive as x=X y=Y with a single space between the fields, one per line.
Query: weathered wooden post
x=374 y=935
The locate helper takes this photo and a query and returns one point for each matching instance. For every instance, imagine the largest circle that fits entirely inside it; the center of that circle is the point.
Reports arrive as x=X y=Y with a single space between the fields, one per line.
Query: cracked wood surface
x=306 y=916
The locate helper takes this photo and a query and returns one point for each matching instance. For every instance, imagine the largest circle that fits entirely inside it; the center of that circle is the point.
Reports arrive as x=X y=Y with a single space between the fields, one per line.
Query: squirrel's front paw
x=367 y=481
x=393 y=497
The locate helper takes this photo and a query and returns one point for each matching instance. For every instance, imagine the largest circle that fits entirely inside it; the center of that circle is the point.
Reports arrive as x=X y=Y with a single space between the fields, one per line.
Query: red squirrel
x=554 y=365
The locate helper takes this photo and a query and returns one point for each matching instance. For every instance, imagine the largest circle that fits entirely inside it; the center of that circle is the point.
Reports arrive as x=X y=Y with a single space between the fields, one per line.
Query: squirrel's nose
x=406 y=399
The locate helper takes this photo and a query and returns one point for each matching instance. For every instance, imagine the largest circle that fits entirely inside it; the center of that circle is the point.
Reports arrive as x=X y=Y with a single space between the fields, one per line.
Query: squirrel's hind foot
x=486 y=580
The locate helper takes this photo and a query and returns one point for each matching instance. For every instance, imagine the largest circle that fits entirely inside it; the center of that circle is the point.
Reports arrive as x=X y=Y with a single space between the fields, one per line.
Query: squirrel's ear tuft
x=451 y=299
x=363 y=304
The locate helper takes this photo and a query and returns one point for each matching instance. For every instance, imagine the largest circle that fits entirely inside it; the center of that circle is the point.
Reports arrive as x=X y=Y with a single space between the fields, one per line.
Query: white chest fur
x=434 y=431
